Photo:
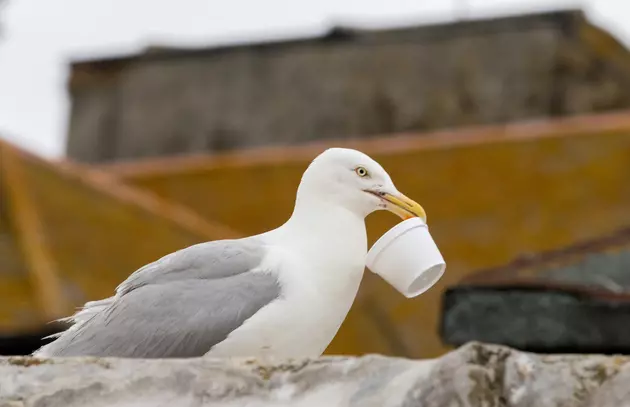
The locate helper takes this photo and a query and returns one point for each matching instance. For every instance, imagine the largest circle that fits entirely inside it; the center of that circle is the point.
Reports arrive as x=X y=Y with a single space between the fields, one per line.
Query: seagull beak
x=402 y=206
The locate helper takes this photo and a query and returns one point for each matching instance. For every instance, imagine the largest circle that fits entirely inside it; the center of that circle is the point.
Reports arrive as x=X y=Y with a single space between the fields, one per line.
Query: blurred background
x=509 y=121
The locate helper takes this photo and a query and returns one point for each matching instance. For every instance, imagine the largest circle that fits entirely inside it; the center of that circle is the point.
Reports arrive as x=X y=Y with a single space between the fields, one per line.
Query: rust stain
x=26 y=361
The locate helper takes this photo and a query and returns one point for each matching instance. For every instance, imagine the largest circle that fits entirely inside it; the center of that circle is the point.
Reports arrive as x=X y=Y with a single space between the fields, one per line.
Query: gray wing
x=180 y=306
x=209 y=260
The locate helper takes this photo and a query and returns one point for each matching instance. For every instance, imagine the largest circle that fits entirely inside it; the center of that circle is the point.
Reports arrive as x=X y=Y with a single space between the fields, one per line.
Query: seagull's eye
x=361 y=171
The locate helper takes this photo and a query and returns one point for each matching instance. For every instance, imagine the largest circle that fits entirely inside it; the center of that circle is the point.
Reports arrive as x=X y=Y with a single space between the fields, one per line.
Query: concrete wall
x=344 y=85
x=491 y=194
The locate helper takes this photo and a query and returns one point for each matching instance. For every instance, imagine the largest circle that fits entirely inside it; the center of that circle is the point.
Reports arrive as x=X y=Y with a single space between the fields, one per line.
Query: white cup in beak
x=407 y=258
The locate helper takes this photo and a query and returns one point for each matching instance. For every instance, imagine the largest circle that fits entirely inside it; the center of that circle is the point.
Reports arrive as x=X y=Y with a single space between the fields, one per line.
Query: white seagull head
x=353 y=180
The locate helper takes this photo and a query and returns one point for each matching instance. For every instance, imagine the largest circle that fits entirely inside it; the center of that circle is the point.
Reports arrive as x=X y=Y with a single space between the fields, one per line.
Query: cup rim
x=390 y=236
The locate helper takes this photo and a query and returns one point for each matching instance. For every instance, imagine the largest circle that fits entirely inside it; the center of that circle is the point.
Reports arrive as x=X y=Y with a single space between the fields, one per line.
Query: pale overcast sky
x=41 y=36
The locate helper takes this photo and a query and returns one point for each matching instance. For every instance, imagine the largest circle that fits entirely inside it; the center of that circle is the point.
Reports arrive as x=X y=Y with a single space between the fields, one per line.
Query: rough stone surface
x=474 y=375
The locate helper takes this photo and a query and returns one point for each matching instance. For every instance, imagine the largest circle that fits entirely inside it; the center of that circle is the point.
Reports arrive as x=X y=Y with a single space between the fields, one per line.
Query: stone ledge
x=474 y=375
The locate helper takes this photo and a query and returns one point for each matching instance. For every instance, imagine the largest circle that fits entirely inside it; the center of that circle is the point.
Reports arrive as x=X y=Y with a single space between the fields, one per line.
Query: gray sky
x=41 y=36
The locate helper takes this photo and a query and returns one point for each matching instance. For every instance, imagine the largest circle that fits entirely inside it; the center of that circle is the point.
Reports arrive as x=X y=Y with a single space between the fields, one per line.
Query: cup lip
x=390 y=236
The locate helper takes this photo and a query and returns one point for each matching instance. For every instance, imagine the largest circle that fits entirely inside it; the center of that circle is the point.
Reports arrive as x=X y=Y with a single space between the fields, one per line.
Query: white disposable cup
x=407 y=258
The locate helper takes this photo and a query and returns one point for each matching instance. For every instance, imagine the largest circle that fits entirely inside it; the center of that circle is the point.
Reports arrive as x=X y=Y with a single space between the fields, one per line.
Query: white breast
x=316 y=297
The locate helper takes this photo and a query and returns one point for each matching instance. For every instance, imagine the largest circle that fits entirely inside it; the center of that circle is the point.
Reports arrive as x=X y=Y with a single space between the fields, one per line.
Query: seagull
x=280 y=294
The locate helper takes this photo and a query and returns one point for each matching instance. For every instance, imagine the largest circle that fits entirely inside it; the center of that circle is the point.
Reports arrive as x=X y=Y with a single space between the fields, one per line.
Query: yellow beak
x=404 y=207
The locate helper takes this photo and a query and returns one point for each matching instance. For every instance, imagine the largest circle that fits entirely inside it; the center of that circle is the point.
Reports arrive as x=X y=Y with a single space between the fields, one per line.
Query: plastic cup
x=407 y=258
